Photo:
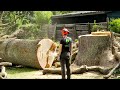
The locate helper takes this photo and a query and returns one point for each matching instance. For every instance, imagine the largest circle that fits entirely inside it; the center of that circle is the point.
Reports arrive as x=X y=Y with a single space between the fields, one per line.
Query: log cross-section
x=26 y=52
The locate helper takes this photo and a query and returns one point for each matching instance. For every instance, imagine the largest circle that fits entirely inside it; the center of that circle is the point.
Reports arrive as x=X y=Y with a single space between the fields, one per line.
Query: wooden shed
x=81 y=22
x=85 y=17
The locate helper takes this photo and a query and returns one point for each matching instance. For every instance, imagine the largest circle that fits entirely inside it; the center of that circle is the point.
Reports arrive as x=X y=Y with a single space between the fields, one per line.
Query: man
x=65 y=52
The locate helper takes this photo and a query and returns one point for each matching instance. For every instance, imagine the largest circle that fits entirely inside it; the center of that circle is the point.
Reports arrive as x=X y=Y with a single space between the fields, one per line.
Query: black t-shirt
x=66 y=44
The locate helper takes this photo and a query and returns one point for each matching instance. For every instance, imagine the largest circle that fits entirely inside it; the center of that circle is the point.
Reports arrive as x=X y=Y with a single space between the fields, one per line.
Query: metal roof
x=79 y=13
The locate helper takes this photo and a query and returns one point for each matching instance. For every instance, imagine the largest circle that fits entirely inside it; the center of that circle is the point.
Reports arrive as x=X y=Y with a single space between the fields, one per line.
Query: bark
x=5 y=64
x=57 y=64
x=27 y=52
x=78 y=70
x=116 y=34
x=91 y=49
x=111 y=72
x=3 y=74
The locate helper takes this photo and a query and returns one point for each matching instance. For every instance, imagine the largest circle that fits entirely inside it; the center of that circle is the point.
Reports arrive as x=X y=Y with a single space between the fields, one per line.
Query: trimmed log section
x=46 y=53
x=102 y=33
x=96 y=53
x=94 y=50
x=27 y=52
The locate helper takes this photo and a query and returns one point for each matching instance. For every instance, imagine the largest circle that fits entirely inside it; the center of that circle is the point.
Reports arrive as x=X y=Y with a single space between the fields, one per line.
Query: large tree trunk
x=95 y=50
x=32 y=53
x=99 y=53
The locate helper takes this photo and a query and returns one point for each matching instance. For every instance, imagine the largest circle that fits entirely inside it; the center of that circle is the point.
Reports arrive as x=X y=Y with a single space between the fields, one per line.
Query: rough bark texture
x=78 y=70
x=99 y=53
x=22 y=52
x=94 y=50
x=56 y=64
x=5 y=64
x=3 y=74
x=111 y=72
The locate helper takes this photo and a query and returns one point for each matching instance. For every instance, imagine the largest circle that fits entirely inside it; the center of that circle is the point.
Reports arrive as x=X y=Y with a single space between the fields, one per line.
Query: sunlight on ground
x=30 y=73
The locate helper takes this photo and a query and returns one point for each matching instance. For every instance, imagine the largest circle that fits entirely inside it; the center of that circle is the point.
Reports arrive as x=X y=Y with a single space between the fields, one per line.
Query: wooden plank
x=81 y=27
x=51 y=31
x=82 y=32
x=65 y=25
x=90 y=23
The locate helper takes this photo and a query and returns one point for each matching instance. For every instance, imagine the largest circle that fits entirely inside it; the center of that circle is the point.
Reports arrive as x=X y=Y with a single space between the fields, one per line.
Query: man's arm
x=60 y=50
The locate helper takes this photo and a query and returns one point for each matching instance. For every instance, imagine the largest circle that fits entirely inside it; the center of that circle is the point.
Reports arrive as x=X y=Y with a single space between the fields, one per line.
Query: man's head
x=64 y=31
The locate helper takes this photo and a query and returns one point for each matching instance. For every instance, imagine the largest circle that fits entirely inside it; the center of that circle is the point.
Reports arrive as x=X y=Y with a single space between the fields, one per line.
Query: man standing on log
x=65 y=52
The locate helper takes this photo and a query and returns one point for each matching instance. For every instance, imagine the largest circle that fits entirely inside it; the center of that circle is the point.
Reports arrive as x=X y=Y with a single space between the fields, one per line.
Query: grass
x=21 y=72
x=31 y=73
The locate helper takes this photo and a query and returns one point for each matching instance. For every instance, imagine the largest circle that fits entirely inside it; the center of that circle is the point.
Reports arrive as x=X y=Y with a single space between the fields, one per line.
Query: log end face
x=46 y=53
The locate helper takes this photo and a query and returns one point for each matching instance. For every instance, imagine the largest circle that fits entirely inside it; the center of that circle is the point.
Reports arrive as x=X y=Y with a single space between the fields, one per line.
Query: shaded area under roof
x=80 y=13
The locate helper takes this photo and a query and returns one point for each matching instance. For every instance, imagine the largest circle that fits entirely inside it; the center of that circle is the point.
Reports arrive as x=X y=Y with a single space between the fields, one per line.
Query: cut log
x=116 y=43
x=57 y=64
x=51 y=71
x=73 y=56
x=78 y=70
x=27 y=52
x=46 y=53
x=108 y=33
x=91 y=48
x=116 y=34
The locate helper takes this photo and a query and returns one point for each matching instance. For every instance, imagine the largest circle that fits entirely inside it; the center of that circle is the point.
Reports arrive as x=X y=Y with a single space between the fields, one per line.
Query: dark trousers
x=65 y=65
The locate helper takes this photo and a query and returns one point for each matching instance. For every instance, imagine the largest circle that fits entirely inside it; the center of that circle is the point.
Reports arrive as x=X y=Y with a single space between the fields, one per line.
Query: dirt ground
x=29 y=73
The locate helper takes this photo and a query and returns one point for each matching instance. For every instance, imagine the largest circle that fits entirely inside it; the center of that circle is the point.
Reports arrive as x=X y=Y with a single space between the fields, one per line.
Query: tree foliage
x=114 y=25
x=42 y=17
x=31 y=21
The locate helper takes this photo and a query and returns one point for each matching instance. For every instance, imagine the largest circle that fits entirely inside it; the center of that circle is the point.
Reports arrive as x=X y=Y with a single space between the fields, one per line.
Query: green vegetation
x=114 y=25
x=96 y=27
x=30 y=21
x=21 y=72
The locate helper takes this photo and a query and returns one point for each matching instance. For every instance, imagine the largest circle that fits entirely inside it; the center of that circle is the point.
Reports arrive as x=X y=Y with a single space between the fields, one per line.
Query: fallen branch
x=77 y=70
x=5 y=64
x=3 y=74
x=116 y=34
x=111 y=72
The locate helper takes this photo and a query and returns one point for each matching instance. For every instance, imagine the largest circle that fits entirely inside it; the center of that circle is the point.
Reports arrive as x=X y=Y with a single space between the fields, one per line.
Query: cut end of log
x=46 y=52
x=108 y=33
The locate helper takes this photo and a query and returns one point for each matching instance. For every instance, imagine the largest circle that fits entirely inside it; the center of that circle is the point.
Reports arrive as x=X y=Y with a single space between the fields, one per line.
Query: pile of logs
x=98 y=53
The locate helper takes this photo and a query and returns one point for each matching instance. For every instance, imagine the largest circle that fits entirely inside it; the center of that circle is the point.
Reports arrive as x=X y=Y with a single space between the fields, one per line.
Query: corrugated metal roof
x=79 y=13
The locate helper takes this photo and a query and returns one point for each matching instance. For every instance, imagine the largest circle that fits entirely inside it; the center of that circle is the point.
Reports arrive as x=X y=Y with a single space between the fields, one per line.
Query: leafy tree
x=114 y=25
x=42 y=17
